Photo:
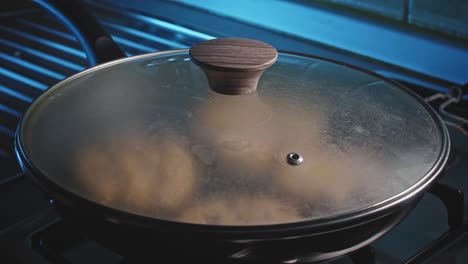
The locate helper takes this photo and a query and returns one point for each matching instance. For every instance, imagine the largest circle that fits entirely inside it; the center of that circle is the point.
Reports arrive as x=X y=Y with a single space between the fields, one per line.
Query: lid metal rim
x=360 y=215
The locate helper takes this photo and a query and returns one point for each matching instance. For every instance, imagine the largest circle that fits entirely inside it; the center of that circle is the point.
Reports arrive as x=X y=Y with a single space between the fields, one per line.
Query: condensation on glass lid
x=224 y=160
x=156 y=141
x=166 y=178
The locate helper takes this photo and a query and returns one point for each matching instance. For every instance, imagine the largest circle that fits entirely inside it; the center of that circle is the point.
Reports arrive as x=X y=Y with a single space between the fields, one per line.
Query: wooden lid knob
x=233 y=66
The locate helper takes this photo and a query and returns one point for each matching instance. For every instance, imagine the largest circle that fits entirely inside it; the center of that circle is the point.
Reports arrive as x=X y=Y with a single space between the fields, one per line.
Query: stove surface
x=37 y=52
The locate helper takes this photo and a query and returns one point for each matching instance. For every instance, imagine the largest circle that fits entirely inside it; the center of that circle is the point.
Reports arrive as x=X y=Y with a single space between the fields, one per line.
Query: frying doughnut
x=129 y=174
x=240 y=211
x=97 y=175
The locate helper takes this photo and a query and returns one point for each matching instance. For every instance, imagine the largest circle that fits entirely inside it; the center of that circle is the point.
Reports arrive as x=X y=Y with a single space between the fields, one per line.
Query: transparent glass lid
x=146 y=135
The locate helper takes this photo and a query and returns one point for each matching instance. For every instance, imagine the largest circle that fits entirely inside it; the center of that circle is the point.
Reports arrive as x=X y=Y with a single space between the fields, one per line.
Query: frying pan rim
x=320 y=225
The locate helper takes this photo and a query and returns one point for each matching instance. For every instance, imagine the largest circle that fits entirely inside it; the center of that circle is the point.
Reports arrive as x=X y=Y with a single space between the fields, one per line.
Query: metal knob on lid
x=294 y=159
x=233 y=66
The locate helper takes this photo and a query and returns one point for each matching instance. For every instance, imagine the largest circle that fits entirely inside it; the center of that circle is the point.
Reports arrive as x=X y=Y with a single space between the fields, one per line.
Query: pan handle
x=97 y=44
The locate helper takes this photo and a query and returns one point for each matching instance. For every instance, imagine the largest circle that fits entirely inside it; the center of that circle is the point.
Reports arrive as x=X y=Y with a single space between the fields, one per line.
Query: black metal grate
x=36 y=52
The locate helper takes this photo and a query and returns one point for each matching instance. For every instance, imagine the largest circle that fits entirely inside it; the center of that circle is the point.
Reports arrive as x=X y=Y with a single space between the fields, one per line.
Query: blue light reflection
x=42 y=55
x=145 y=35
x=31 y=66
x=46 y=42
x=23 y=79
x=15 y=94
x=7 y=131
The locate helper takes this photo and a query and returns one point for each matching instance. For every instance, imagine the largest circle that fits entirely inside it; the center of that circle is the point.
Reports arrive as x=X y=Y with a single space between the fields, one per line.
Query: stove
x=36 y=52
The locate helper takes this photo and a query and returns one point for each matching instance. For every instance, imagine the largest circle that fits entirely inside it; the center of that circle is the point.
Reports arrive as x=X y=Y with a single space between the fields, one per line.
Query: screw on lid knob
x=233 y=66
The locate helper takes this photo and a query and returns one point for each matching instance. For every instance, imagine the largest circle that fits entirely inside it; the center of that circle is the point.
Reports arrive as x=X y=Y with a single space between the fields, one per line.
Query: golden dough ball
x=97 y=175
x=138 y=177
x=149 y=179
x=178 y=172
x=241 y=211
